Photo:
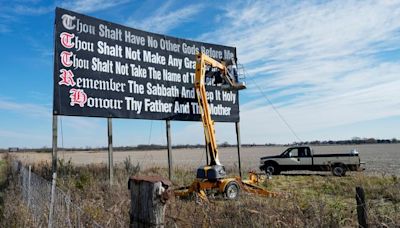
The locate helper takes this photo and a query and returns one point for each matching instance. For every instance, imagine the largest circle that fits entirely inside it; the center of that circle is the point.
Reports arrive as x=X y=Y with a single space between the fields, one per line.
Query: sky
x=329 y=69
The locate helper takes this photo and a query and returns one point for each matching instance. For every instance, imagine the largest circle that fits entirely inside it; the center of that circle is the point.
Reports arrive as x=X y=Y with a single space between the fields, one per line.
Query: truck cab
x=298 y=155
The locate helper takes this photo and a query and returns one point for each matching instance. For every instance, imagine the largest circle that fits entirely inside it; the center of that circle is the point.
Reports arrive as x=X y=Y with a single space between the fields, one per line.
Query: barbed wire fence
x=48 y=204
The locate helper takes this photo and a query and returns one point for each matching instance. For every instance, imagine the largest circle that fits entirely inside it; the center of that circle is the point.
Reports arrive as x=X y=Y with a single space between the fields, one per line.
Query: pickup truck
x=303 y=158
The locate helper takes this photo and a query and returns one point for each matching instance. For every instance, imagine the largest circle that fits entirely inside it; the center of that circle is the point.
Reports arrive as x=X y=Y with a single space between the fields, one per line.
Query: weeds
x=130 y=168
x=315 y=200
x=13 y=213
x=65 y=168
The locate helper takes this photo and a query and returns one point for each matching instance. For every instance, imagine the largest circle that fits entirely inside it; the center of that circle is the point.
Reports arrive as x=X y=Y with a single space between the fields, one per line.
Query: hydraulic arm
x=214 y=170
x=212 y=177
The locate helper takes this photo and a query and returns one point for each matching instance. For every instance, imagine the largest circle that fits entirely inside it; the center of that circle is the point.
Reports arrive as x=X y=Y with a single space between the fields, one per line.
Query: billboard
x=102 y=69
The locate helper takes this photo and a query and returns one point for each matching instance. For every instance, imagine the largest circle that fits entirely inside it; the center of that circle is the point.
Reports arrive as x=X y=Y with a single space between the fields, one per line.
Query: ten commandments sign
x=102 y=69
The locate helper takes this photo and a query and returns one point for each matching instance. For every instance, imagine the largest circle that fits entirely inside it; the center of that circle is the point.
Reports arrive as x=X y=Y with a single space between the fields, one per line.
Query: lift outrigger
x=212 y=177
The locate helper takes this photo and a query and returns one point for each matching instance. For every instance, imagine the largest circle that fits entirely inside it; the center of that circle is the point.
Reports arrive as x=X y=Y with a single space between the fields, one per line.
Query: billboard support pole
x=54 y=150
x=238 y=146
x=110 y=151
x=169 y=147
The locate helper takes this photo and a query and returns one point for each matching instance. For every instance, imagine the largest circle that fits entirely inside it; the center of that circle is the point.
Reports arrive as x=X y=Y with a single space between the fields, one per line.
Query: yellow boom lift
x=212 y=177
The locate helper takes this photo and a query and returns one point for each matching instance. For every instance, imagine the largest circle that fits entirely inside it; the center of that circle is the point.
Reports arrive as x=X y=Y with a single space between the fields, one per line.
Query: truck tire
x=272 y=169
x=232 y=190
x=339 y=170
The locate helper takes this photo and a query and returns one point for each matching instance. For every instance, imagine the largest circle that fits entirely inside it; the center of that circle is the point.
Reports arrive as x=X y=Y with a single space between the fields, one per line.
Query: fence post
x=149 y=195
x=55 y=145
x=29 y=186
x=361 y=208
x=53 y=190
x=68 y=202
x=169 y=148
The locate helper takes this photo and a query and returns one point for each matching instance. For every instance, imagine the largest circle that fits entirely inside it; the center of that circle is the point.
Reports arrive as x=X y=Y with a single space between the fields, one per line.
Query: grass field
x=312 y=199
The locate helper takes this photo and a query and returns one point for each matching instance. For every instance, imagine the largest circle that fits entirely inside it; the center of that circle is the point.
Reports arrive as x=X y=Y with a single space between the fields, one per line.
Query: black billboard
x=102 y=69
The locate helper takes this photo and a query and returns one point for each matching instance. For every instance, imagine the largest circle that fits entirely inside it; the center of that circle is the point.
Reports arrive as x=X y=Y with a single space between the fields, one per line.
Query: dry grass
x=315 y=200
x=13 y=213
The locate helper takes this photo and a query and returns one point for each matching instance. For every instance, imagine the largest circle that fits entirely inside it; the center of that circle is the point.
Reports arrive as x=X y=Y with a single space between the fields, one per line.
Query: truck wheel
x=339 y=170
x=231 y=191
x=272 y=169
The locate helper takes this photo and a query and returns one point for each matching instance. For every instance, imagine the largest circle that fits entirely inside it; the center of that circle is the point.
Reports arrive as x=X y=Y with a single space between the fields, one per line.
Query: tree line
x=142 y=147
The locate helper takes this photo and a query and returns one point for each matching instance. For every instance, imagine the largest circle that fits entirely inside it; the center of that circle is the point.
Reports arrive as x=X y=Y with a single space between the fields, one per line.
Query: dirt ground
x=379 y=158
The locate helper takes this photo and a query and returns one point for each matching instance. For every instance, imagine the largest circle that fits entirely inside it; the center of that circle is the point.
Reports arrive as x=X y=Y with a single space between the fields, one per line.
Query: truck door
x=305 y=158
x=292 y=160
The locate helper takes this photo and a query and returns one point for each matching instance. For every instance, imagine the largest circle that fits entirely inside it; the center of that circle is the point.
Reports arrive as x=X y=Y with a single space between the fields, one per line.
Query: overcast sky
x=330 y=68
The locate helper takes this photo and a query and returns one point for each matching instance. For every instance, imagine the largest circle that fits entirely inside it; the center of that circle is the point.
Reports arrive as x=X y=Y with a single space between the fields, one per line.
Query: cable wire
x=151 y=129
x=273 y=107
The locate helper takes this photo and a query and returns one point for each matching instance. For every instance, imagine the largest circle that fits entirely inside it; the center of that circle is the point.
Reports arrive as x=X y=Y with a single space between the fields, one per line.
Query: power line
x=151 y=129
x=274 y=108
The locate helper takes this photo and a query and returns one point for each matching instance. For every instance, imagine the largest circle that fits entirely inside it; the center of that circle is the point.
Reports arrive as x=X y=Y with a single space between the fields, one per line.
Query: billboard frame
x=110 y=163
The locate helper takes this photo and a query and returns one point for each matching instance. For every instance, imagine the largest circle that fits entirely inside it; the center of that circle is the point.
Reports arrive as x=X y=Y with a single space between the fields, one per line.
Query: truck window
x=304 y=152
x=308 y=152
x=293 y=152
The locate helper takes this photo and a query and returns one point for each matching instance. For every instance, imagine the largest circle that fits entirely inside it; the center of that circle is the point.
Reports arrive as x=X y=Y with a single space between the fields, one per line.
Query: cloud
x=44 y=112
x=322 y=64
x=165 y=19
x=29 y=109
x=5 y=19
x=88 y=6
x=4 y=29
x=21 y=135
x=88 y=128
x=33 y=10
x=36 y=8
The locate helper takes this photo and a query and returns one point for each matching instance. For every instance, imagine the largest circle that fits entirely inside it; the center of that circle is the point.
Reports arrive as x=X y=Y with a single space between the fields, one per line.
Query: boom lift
x=212 y=177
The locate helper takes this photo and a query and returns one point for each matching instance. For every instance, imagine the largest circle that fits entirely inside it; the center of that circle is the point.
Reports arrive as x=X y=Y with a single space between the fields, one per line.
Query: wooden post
x=149 y=195
x=52 y=199
x=110 y=152
x=29 y=186
x=238 y=146
x=169 y=148
x=361 y=208
x=54 y=151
